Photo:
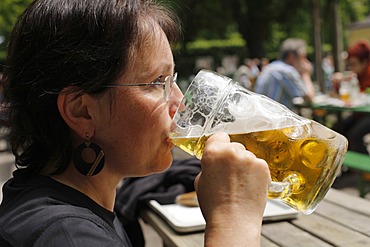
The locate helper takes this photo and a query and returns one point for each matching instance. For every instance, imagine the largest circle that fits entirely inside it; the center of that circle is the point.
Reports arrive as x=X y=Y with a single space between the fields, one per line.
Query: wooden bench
x=361 y=163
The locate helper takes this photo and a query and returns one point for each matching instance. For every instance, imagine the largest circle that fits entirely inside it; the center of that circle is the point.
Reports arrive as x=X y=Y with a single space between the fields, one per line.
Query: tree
x=204 y=19
x=263 y=23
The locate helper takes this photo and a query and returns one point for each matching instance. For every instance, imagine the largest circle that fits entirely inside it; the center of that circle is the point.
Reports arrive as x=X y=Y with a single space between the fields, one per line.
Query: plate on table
x=185 y=219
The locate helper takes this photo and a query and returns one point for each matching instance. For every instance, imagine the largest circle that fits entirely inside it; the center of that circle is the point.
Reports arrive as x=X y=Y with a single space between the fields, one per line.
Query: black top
x=39 y=211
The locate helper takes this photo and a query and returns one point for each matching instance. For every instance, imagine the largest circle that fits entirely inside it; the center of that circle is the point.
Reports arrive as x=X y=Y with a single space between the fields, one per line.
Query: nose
x=175 y=99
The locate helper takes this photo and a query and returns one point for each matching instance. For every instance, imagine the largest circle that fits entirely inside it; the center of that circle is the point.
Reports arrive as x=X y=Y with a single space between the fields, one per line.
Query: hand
x=232 y=192
x=336 y=78
x=305 y=66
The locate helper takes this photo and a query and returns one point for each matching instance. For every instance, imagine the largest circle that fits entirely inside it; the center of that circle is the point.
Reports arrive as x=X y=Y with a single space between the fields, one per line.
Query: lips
x=173 y=126
x=169 y=142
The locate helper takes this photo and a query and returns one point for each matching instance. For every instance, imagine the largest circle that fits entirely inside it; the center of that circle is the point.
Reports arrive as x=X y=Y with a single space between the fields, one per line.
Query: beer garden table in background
x=340 y=220
x=322 y=108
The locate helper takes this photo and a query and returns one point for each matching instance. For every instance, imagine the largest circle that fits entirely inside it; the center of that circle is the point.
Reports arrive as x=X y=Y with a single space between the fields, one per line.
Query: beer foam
x=215 y=103
x=252 y=112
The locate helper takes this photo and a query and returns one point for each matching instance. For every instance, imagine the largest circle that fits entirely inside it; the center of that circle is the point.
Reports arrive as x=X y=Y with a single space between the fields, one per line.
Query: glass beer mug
x=304 y=157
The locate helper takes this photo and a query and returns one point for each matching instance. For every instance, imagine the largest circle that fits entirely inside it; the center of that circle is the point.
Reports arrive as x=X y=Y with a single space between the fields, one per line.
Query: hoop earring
x=86 y=168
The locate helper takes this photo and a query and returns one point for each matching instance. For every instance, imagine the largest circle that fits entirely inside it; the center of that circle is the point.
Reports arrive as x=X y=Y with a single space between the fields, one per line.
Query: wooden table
x=340 y=220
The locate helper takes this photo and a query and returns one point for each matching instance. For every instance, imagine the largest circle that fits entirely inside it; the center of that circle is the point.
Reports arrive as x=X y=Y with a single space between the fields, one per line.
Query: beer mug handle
x=283 y=189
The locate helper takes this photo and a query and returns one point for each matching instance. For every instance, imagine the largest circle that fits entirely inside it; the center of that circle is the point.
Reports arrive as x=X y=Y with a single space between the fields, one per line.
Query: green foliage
x=9 y=12
x=360 y=7
x=205 y=13
x=235 y=40
x=247 y=27
x=354 y=10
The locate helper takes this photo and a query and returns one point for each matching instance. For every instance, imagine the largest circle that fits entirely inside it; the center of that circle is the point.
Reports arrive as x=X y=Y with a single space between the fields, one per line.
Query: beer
x=292 y=150
x=304 y=156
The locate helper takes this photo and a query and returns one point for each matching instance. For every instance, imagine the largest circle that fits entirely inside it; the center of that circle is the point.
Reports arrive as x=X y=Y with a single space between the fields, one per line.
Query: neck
x=101 y=188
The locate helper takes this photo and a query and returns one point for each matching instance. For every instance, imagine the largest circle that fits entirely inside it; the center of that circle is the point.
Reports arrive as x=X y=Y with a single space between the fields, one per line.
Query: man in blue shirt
x=289 y=77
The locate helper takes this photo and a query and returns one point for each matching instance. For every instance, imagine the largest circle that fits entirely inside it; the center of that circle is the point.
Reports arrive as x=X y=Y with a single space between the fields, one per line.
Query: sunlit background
x=220 y=35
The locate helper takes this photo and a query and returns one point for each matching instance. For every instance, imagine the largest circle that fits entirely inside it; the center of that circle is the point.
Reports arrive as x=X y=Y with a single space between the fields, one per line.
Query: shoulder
x=276 y=67
x=79 y=228
x=282 y=71
x=58 y=225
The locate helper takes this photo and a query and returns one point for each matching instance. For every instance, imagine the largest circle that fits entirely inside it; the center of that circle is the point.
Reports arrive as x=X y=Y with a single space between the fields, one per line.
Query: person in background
x=289 y=77
x=243 y=75
x=264 y=62
x=254 y=66
x=90 y=90
x=357 y=61
x=356 y=126
x=328 y=69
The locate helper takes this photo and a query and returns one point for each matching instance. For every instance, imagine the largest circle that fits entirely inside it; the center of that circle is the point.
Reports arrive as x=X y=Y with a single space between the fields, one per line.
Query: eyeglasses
x=166 y=84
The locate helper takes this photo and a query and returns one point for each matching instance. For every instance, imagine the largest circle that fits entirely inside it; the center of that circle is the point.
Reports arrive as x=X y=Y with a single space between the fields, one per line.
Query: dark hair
x=361 y=50
x=58 y=43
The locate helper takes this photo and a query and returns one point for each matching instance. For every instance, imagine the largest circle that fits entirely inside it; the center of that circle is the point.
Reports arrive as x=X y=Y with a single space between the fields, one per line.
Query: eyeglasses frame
x=167 y=85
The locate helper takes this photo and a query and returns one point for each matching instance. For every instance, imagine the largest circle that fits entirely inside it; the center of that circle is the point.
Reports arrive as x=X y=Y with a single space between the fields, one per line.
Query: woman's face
x=134 y=134
x=357 y=66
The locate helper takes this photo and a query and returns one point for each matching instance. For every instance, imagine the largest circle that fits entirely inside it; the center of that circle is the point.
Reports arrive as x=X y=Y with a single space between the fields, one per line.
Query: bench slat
x=357 y=161
x=361 y=163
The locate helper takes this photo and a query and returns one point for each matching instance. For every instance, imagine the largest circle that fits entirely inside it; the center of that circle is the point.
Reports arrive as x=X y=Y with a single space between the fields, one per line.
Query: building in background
x=358 y=30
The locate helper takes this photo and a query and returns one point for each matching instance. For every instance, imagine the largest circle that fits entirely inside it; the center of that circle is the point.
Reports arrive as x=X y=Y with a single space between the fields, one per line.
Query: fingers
x=305 y=66
x=218 y=146
x=219 y=137
x=231 y=188
x=226 y=164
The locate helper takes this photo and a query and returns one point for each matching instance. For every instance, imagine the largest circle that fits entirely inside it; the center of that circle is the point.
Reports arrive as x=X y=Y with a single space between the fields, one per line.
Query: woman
x=358 y=61
x=356 y=126
x=90 y=89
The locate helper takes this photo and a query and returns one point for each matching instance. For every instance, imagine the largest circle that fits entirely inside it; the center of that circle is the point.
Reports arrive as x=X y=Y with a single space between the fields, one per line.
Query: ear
x=74 y=109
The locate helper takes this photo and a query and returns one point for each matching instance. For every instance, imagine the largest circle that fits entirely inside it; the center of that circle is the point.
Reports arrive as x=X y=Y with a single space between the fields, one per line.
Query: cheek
x=136 y=134
x=144 y=121
x=358 y=69
x=363 y=67
x=148 y=135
